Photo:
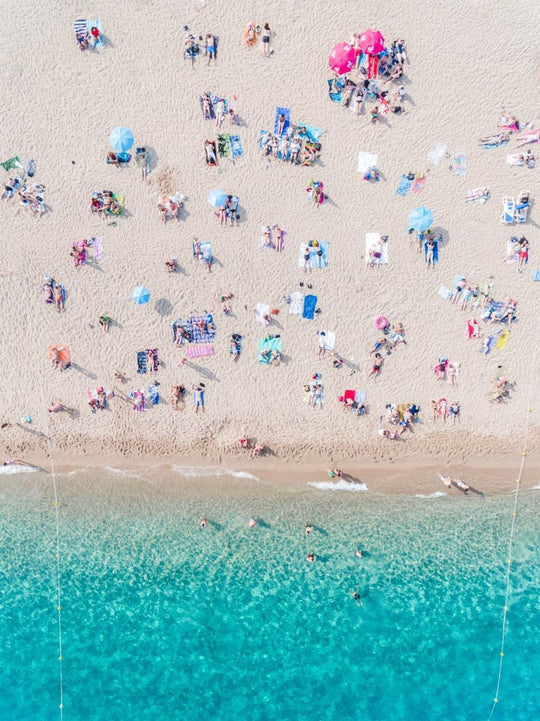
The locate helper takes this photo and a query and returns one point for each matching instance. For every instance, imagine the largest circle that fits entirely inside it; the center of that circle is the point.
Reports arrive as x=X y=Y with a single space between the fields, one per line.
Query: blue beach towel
x=285 y=112
x=264 y=137
x=457 y=279
x=141 y=361
x=335 y=97
x=31 y=169
x=460 y=163
x=268 y=344
x=489 y=345
x=312 y=133
x=236 y=146
x=310 y=303
x=153 y=395
x=536 y=275
x=435 y=251
x=404 y=186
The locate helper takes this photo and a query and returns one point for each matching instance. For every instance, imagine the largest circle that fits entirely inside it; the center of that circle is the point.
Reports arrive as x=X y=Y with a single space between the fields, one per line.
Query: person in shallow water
x=356 y=595
x=309 y=528
x=311 y=557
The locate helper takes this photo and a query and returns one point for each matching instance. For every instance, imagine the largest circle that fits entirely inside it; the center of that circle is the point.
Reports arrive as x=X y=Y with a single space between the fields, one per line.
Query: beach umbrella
x=420 y=219
x=140 y=295
x=371 y=42
x=380 y=322
x=217 y=198
x=342 y=58
x=121 y=139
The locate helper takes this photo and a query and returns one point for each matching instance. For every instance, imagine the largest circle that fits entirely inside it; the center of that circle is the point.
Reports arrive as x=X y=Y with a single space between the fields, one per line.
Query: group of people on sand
x=170 y=206
x=54 y=293
x=32 y=198
x=501 y=389
x=273 y=237
x=397 y=419
x=98 y=402
x=192 y=47
x=519 y=247
x=228 y=214
x=104 y=203
x=253 y=32
x=391 y=337
x=90 y=39
x=441 y=409
x=447 y=370
x=290 y=147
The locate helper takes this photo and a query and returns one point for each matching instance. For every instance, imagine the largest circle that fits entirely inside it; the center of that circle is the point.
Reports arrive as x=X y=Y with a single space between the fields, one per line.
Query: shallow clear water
x=164 y=620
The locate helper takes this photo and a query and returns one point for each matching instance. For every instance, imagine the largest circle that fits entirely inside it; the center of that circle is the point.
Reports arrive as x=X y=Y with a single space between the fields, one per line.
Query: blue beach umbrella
x=421 y=219
x=217 y=198
x=121 y=139
x=140 y=295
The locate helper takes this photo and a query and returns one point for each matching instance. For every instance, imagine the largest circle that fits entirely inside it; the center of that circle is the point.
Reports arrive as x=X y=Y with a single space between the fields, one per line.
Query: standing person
x=210 y=47
x=265 y=37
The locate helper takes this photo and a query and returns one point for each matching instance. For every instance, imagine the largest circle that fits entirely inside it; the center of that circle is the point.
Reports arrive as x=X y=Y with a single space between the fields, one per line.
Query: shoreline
x=407 y=475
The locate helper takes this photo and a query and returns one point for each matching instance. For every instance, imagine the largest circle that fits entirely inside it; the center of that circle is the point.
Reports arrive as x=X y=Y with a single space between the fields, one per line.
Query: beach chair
x=509 y=210
x=522 y=207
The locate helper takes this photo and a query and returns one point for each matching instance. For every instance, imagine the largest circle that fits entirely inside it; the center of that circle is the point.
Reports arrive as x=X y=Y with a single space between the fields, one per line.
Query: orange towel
x=61 y=350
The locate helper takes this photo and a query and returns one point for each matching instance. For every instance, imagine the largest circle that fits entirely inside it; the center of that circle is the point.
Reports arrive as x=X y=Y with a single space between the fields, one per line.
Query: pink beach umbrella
x=371 y=42
x=342 y=58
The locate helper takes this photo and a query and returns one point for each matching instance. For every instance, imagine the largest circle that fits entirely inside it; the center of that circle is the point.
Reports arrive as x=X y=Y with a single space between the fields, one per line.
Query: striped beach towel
x=139 y=401
x=198 y=334
x=201 y=350
x=80 y=28
x=141 y=362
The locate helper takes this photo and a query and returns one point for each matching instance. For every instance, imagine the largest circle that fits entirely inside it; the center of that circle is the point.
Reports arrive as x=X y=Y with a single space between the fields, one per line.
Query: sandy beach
x=466 y=69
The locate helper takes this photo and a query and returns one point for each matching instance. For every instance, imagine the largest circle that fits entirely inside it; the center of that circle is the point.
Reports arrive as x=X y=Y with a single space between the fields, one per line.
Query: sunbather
x=112 y=159
x=210 y=47
x=59 y=297
x=531 y=136
x=48 y=289
x=497 y=139
x=210 y=153
x=377 y=364
x=190 y=49
x=171 y=265
x=396 y=74
x=275 y=358
x=219 y=110
x=398 y=335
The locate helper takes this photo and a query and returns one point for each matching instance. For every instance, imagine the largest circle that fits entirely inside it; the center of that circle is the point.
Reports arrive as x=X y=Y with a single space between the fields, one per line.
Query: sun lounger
x=287 y=115
x=310 y=304
x=366 y=161
x=141 y=362
x=478 y=195
x=373 y=243
x=297 y=303
x=261 y=311
x=509 y=210
x=270 y=344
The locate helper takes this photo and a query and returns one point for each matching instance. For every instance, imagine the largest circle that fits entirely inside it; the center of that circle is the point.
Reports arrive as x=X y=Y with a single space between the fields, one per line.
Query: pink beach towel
x=198 y=351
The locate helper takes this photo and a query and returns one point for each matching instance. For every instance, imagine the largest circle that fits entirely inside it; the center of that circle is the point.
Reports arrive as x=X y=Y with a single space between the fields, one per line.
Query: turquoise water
x=164 y=620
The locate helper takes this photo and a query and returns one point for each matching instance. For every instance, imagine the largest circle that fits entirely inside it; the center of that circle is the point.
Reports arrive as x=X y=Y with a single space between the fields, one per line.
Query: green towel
x=12 y=163
x=224 y=146
x=268 y=344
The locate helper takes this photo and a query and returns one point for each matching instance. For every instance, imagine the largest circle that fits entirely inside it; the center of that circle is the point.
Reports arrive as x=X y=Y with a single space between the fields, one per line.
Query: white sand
x=59 y=104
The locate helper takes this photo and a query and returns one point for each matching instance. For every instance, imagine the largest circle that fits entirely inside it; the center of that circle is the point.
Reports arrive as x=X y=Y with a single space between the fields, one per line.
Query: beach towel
x=419 y=183
x=315 y=260
x=536 y=275
x=236 y=146
x=405 y=184
x=264 y=137
x=62 y=352
x=152 y=394
x=309 y=131
x=329 y=340
x=457 y=280
x=435 y=251
x=442 y=407
x=460 y=163
x=97 y=248
x=201 y=329
x=310 y=303
x=512 y=251
x=472 y=328
x=98 y=42
x=297 y=303
x=236 y=344
x=488 y=344
x=478 y=195
x=12 y=163
x=373 y=244
x=223 y=145
x=120 y=199
x=372 y=66
x=139 y=401
x=310 y=153
x=502 y=340
x=268 y=344
x=445 y=293
x=287 y=115
x=366 y=161
x=141 y=362
x=515 y=160
x=495 y=144
x=262 y=310
x=334 y=96
x=200 y=351
x=80 y=28
x=203 y=251
x=437 y=153
x=31 y=168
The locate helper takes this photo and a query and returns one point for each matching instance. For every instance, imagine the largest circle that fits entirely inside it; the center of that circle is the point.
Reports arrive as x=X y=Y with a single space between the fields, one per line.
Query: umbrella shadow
x=153 y=157
x=163 y=307
x=442 y=236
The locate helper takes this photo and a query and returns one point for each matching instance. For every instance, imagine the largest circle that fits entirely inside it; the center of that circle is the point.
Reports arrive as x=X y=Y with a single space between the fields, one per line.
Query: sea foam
x=12 y=469
x=340 y=485
x=202 y=471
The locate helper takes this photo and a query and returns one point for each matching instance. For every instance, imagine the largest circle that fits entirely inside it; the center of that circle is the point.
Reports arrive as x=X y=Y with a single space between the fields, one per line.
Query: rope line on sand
x=512 y=529
x=58 y=573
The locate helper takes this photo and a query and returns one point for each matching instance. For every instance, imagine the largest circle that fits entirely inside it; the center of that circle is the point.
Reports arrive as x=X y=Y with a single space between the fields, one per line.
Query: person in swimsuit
x=376 y=368
x=311 y=557
x=59 y=297
x=265 y=37
x=210 y=47
x=198 y=397
x=454 y=411
x=309 y=528
x=356 y=595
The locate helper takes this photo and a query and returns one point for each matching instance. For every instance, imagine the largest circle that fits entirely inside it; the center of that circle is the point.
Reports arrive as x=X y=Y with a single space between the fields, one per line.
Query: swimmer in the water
x=356 y=595
x=309 y=528
x=359 y=554
x=253 y=522
x=311 y=557
x=203 y=523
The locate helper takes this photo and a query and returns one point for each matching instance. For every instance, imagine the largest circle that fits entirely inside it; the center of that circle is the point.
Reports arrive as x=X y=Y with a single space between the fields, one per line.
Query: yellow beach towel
x=503 y=340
